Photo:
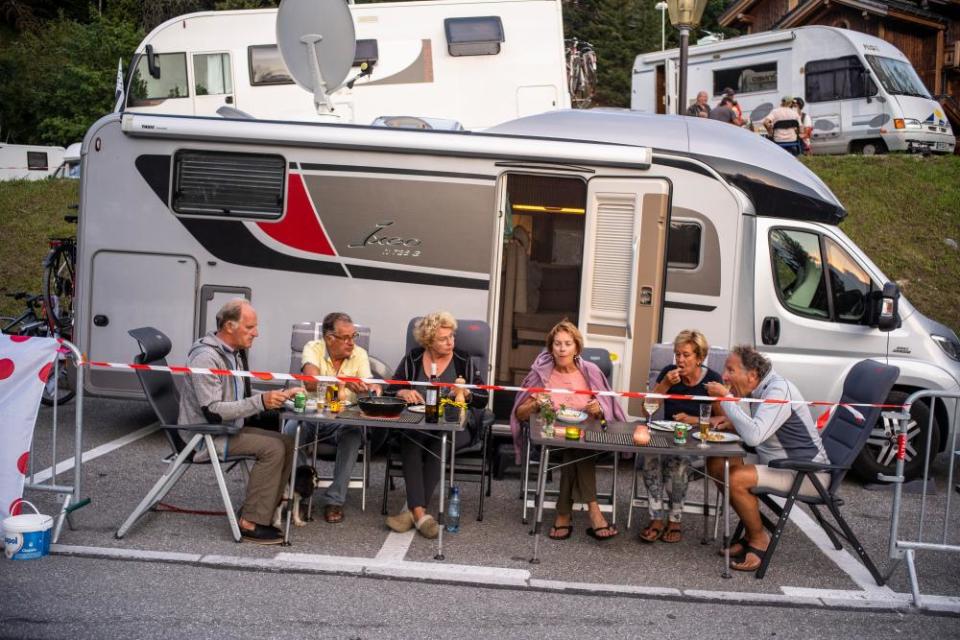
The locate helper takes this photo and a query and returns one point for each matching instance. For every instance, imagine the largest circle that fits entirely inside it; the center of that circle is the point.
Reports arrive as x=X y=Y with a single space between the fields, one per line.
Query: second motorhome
x=861 y=92
x=479 y=62
x=636 y=226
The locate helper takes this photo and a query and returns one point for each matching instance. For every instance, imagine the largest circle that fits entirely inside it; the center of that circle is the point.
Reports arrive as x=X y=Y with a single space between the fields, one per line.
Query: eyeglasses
x=350 y=338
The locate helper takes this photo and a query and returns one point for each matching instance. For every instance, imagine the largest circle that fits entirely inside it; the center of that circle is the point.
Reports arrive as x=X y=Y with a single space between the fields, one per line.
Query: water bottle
x=453 y=510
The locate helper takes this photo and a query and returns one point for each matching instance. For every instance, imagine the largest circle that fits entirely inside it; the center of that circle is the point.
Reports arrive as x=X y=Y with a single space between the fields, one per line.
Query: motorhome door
x=622 y=287
x=212 y=82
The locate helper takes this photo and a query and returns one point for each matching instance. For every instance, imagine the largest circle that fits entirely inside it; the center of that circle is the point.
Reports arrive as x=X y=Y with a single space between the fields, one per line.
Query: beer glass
x=705 y=408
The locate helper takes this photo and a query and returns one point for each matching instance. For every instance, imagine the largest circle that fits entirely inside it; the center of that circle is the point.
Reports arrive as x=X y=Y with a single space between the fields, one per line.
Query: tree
x=59 y=78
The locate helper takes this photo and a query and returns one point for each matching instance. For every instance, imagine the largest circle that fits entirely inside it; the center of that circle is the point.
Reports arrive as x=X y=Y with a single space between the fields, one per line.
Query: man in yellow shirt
x=336 y=354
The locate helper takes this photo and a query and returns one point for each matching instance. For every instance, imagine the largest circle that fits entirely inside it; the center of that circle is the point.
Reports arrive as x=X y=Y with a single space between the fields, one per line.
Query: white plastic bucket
x=27 y=536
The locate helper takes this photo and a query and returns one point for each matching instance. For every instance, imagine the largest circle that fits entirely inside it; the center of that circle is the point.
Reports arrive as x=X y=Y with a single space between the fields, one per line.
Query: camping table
x=406 y=421
x=661 y=443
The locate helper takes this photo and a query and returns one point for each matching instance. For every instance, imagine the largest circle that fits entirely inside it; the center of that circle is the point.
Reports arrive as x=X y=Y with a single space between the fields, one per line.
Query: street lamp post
x=684 y=15
x=662 y=8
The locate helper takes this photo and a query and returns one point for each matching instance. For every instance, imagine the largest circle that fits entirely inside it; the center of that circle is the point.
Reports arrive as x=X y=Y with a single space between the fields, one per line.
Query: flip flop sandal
x=333 y=513
x=742 y=542
x=658 y=532
x=672 y=529
x=567 y=531
x=747 y=550
x=593 y=533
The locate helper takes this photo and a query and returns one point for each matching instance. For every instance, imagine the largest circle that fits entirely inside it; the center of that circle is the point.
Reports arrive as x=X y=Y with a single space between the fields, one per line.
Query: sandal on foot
x=595 y=533
x=333 y=513
x=734 y=554
x=672 y=528
x=747 y=550
x=657 y=531
x=560 y=532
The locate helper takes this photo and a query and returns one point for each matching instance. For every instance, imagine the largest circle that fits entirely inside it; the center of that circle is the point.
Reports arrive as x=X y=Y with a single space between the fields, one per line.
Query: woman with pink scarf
x=562 y=367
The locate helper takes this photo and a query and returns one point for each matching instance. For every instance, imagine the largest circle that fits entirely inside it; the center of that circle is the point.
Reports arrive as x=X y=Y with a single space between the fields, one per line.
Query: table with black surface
x=406 y=421
x=661 y=443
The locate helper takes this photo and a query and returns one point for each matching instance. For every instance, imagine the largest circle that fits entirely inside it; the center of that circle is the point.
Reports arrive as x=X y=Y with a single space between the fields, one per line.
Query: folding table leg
x=224 y=493
x=440 y=518
x=706 y=508
x=541 y=490
x=633 y=491
x=160 y=487
x=726 y=519
x=293 y=479
x=526 y=476
x=366 y=470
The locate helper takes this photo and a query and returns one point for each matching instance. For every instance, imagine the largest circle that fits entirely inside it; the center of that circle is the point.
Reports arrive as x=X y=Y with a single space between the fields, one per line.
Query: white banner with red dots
x=25 y=365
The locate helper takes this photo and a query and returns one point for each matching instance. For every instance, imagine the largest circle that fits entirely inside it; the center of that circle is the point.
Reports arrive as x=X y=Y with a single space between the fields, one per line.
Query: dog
x=304 y=484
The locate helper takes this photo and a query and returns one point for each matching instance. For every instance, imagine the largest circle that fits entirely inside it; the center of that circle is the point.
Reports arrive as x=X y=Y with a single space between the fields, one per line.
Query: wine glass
x=650 y=405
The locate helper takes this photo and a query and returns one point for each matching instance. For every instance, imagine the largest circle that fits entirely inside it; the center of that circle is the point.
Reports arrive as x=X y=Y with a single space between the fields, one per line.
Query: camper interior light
x=544 y=209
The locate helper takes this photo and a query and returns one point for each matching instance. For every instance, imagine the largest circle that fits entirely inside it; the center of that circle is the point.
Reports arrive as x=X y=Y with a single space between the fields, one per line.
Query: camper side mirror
x=152 y=66
x=885 y=308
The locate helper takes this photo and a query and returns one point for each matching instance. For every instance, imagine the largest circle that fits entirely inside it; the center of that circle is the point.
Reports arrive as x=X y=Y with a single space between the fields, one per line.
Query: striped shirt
x=777 y=430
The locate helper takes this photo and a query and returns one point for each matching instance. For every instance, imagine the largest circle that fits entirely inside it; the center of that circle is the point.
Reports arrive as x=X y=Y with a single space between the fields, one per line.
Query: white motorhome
x=70 y=167
x=29 y=162
x=861 y=92
x=563 y=214
x=480 y=62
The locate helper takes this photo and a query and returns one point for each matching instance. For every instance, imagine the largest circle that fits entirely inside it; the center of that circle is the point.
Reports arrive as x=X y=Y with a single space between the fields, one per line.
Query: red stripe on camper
x=299 y=228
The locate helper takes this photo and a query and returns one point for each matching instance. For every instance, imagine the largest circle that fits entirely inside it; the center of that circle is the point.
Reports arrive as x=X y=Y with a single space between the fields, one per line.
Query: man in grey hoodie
x=223 y=399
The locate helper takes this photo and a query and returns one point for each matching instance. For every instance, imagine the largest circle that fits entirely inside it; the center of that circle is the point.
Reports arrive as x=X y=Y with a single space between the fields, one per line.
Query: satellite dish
x=317 y=42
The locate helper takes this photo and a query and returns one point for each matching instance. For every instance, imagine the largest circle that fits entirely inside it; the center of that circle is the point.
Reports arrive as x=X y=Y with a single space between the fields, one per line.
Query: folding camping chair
x=868 y=382
x=161 y=393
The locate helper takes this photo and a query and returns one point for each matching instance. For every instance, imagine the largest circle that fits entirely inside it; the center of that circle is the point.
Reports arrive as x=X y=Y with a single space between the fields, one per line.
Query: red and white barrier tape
x=300 y=377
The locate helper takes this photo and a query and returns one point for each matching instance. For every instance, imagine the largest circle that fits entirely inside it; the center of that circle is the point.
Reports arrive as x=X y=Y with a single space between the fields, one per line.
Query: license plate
x=942 y=146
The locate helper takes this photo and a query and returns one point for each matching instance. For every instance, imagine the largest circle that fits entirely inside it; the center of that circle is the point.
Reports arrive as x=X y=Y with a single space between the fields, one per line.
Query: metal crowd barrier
x=905 y=550
x=70 y=492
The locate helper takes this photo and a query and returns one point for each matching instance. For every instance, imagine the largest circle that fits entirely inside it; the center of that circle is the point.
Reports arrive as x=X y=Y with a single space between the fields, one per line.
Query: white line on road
x=396 y=545
x=96 y=452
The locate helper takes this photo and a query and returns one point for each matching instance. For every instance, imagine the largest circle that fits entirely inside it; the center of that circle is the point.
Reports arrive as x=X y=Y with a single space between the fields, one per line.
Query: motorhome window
x=837 y=79
x=798 y=272
x=474 y=36
x=683 y=249
x=171 y=84
x=898 y=77
x=211 y=74
x=217 y=183
x=37 y=161
x=849 y=284
x=366 y=51
x=266 y=66
x=753 y=78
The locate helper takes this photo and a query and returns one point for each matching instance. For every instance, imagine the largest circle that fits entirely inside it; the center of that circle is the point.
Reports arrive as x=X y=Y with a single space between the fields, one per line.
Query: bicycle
x=59 y=278
x=581 y=62
x=33 y=322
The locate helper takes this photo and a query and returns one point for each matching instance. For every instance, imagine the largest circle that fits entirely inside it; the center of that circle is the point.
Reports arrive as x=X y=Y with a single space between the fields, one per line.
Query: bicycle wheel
x=62 y=386
x=58 y=289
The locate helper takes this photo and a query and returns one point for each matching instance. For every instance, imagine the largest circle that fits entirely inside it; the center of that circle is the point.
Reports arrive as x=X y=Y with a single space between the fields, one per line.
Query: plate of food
x=416 y=408
x=571 y=416
x=718 y=436
x=663 y=425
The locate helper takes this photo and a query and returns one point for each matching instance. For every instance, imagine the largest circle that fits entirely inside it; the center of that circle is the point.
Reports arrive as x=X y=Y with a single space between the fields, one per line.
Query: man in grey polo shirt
x=775 y=430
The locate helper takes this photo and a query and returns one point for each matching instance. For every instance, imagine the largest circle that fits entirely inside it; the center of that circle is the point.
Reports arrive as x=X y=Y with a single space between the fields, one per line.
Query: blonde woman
x=420 y=451
x=562 y=367
x=687 y=377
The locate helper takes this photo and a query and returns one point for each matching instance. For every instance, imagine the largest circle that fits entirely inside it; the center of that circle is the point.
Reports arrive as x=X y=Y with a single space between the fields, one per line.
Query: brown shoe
x=333 y=513
x=401 y=522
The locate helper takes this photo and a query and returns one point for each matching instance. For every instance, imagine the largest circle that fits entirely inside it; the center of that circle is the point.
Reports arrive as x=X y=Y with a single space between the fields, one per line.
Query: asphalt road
x=82 y=598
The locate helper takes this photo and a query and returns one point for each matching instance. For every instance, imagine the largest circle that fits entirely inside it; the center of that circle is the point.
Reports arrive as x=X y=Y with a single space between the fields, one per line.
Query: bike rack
x=70 y=493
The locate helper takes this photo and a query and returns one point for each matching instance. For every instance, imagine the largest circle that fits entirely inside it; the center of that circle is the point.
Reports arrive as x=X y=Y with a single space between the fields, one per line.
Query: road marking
x=96 y=452
x=396 y=545
x=512 y=578
x=846 y=562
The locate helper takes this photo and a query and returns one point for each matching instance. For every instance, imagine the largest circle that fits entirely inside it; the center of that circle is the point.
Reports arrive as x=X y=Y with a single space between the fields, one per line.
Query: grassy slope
x=901 y=209
x=30 y=212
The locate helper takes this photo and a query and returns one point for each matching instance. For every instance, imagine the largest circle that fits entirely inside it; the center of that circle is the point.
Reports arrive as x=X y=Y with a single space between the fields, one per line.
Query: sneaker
x=428 y=527
x=402 y=522
x=261 y=534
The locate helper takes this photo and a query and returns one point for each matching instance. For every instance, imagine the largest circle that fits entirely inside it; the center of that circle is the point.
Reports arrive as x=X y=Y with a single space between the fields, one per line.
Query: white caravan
x=28 y=162
x=563 y=214
x=480 y=62
x=861 y=92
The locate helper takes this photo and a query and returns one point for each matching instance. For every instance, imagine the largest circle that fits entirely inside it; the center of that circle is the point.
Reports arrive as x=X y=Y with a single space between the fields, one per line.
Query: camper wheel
x=868 y=147
x=879 y=455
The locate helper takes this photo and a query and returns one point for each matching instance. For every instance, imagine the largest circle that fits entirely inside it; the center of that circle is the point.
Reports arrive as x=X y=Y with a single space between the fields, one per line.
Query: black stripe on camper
x=416 y=277
x=155 y=170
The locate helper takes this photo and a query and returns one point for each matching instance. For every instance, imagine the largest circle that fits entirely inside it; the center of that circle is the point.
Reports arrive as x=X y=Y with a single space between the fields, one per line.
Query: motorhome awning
x=776 y=183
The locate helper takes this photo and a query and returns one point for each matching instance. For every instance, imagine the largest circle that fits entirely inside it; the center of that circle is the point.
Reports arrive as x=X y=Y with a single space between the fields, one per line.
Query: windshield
x=898 y=77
